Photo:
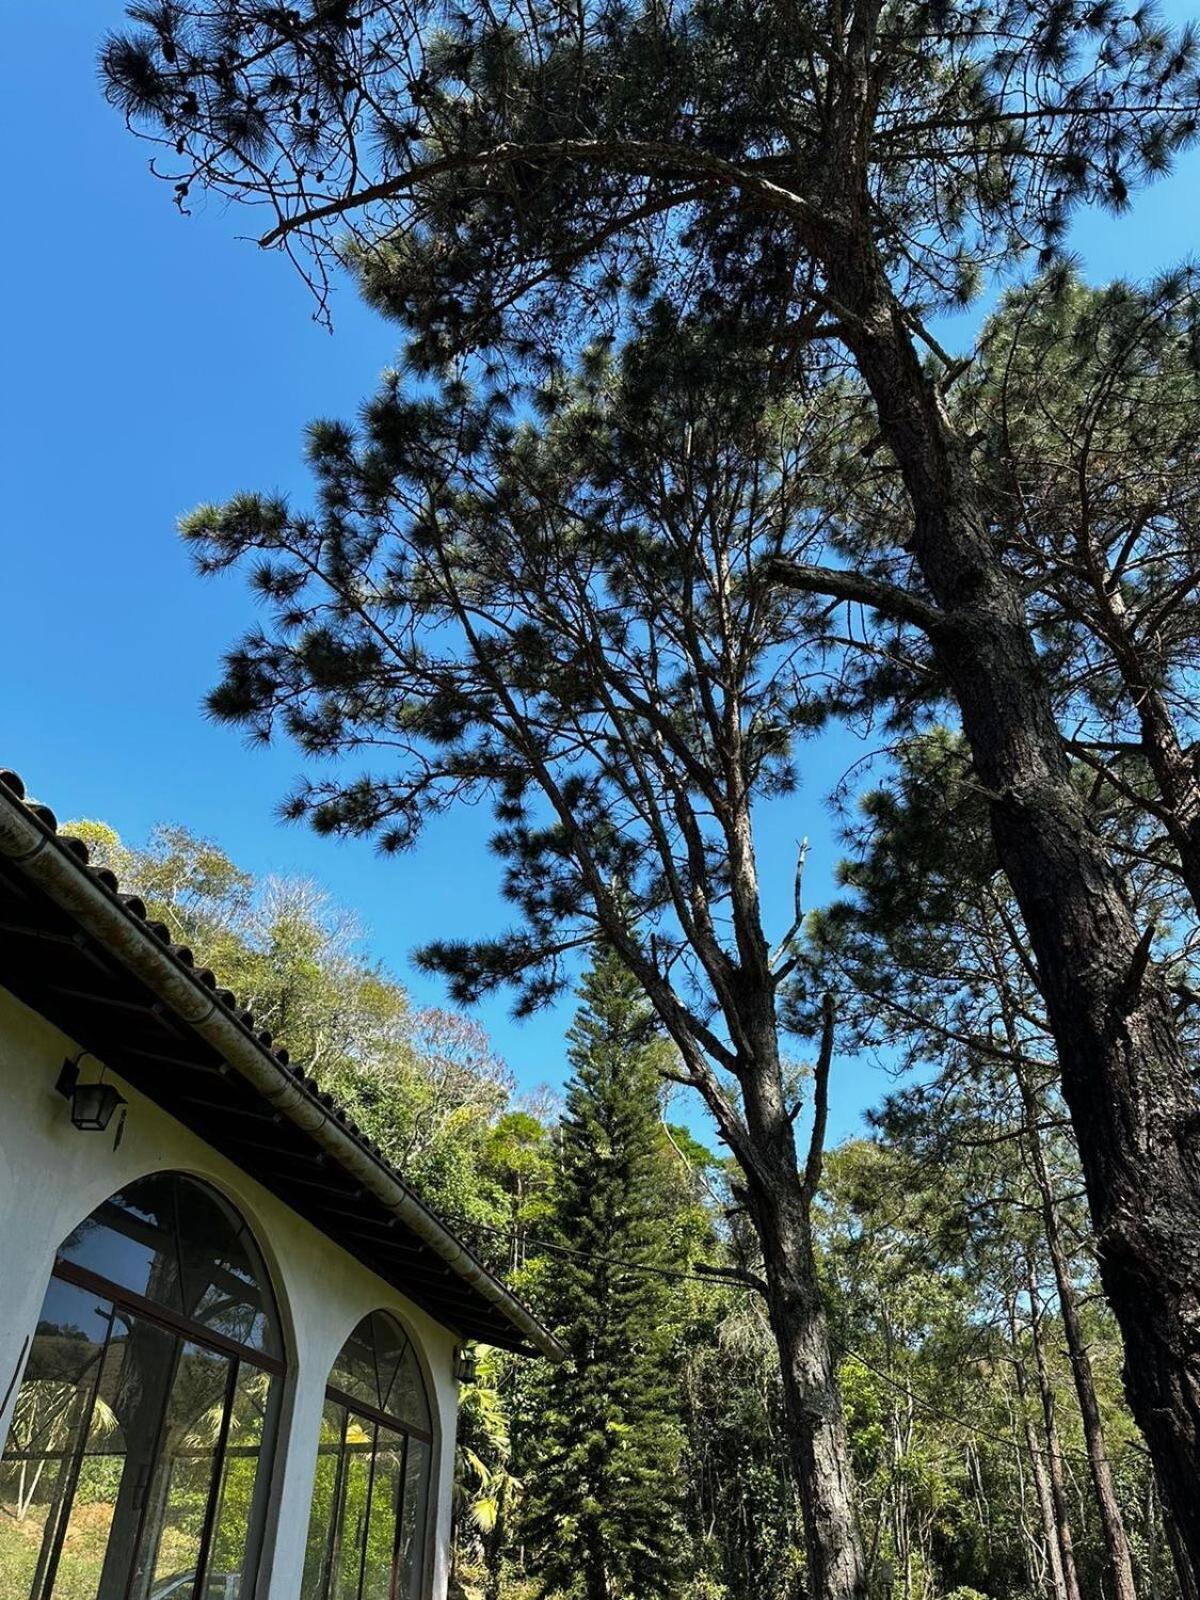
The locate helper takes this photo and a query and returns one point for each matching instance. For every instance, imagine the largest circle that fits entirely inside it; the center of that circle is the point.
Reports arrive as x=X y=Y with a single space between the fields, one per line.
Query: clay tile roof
x=430 y=1264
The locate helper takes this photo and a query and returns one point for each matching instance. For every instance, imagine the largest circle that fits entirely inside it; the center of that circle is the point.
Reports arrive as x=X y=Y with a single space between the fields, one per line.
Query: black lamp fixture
x=92 y=1104
x=466 y=1364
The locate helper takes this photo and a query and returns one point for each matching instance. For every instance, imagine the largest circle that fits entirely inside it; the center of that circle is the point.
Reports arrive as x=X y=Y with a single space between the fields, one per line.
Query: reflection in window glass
x=171 y=1239
x=322 y=1523
x=360 y=1438
x=244 y=1480
x=137 y=1460
x=386 y=1489
x=52 y=1406
x=414 y=1517
x=177 y=1498
x=366 y=1531
x=377 y=1365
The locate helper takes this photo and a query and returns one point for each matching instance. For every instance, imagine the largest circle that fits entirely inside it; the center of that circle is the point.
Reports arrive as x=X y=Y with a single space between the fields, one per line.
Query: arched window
x=137 y=1463
x=366 y=1535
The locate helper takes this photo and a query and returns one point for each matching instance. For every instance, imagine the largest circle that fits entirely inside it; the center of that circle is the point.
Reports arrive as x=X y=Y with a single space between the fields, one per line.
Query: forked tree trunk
x=1134 y=1108
x=779 y=1200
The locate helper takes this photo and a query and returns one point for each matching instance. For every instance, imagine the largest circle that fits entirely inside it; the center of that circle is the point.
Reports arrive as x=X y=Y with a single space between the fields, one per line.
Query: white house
x=229 y=1333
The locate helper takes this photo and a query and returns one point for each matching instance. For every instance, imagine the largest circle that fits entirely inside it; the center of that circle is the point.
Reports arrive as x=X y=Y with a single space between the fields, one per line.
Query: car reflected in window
x=220 y=1586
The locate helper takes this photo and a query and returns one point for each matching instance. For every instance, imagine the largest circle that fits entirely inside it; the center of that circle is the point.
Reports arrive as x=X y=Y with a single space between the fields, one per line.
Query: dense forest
x=993 y=1453
x=698 y=444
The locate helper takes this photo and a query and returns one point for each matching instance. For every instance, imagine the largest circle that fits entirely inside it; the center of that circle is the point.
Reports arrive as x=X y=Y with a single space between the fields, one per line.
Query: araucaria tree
x=604 y=1497
x=821 y=176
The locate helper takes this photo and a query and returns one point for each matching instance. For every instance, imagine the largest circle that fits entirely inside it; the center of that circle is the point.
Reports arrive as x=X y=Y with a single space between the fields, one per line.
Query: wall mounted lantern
x=92 y=1104
x=466 y=1364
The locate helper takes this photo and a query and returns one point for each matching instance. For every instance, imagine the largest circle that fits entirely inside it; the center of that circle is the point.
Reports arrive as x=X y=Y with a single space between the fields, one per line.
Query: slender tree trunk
x=779 y=1201
x=1054 y=1455
x=494 y=1547
x=1037 y=1463
x=1174 y=770
x=595 y=1573
x=1135 y=1110
x=1112 y=1525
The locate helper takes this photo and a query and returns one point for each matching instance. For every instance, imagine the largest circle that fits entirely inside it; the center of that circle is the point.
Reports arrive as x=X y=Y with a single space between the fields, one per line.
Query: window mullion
x=214 y=1487
x=366 y=1529
x=335 y=1520
x=63 y=1510
x=399 y=1534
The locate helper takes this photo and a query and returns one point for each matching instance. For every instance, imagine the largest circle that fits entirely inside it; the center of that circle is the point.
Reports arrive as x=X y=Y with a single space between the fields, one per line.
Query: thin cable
x=729 y=1280
x=728 y=1276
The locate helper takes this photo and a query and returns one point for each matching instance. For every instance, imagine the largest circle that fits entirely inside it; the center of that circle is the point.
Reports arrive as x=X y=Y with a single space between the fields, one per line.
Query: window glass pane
x=322 y=1524
x=386 y=1486
x=109 y=1482
x=52 y=1406
x=100 y=1470
x=176 y=1242
x=409 y=1401
x=360 y=1440
x=356 y=1370
x=129 y=1241
x=243 y=1486
x=413 y=1517
x=378 y=1367
x=225 y=1282
x=176 y=1501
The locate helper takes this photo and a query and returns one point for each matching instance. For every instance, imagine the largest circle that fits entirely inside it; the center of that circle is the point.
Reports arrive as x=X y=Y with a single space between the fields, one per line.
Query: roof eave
x=31 y=842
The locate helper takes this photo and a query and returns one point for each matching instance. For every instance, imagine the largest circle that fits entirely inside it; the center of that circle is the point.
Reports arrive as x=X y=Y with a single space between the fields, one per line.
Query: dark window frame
x=352 y=1406
x=185 y=1330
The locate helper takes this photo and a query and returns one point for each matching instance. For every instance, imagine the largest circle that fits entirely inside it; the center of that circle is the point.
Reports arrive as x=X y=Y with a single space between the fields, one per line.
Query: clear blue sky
x=153 y=361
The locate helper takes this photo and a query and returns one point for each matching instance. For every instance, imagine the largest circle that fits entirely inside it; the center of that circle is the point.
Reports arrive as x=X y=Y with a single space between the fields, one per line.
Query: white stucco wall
x=52 y=1176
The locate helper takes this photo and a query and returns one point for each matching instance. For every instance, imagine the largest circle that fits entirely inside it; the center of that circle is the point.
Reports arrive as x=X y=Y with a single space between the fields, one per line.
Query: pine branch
x=888 y=598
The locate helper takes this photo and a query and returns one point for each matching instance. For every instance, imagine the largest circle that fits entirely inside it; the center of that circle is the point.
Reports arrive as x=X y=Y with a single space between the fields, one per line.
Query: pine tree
x=821 y=180
x=604 y=1513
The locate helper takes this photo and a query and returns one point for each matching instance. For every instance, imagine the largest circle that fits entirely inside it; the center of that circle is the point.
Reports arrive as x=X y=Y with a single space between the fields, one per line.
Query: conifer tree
x=604 y=1512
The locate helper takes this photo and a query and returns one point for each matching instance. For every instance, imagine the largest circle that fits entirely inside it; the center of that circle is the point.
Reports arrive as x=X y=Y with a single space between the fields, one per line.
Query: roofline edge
x=40 y=854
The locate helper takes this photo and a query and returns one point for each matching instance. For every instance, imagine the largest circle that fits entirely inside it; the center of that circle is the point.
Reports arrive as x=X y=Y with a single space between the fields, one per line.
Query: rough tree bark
x=1133 y=1106
x=779 y=1199
x=817 y=1429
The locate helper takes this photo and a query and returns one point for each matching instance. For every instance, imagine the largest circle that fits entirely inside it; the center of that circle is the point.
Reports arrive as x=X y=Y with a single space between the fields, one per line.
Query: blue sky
x=153 y=361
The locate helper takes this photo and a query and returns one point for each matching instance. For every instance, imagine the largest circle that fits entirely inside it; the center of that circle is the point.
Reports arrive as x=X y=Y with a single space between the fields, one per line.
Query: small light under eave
x=466 y=1365
x=93 y=1105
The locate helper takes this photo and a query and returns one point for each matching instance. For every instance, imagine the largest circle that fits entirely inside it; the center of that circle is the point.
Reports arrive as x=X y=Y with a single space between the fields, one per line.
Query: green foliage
x=425 y=1085
x=604 y=1507
x=502 y=175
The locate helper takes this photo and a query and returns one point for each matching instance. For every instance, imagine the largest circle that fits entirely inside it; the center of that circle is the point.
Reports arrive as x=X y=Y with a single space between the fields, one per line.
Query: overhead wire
x=734 y=1278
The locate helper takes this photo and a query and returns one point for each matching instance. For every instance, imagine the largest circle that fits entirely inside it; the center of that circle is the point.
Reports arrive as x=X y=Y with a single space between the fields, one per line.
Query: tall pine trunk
x=817 y=1440
x=780 y=1201
x=1126 y=1082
